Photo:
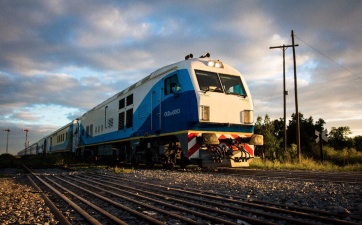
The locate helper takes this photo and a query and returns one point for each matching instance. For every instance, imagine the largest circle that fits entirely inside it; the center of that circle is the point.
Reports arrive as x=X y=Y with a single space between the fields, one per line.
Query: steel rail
x=264 y=207
x=264 y=214
x=296 y=208
x=82 y=212
x=88 y=217
x=57 y=213
x=212 y=218
x=100 y=210
x=150 y=219
x=352 y=178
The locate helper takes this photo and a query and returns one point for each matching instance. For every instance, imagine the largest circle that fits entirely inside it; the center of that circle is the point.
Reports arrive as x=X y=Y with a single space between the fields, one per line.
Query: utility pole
x=7 y=139
x=285 y=93
x=26 y=137
x=296 y=101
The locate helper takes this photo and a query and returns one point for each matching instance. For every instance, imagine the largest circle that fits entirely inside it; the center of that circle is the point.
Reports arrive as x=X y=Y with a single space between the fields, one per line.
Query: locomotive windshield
x=232 y=84
x=229 y=84
x=208 y=81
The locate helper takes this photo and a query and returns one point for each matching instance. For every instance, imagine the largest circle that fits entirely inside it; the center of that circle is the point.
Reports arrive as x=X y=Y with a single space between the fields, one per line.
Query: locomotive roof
x=156 y=73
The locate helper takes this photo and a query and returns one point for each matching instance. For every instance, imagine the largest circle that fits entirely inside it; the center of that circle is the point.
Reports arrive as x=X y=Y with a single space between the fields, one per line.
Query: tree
x=338 y=138
x=358 y=143
x=279 y=128
x=307 y=131
x=271 y=142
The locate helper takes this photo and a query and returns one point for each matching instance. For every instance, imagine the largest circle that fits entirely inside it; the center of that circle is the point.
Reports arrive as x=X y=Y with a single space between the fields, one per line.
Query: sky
x=59 y=59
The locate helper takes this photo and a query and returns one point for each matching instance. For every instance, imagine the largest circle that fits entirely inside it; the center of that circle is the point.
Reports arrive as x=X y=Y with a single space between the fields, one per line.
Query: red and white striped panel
x=193 y=146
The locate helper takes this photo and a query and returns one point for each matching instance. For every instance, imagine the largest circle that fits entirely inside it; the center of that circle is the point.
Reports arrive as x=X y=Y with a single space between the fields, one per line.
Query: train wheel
x=135 y=162
x=168 y=166
x=149 y=157
x=150 y=164
x=183 y=162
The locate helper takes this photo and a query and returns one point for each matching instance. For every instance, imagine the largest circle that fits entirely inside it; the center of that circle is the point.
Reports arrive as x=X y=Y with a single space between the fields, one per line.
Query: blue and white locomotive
x=196 y=111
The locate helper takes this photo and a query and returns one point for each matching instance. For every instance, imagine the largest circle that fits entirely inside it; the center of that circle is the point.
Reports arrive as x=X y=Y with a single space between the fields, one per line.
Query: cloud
x=60 y=59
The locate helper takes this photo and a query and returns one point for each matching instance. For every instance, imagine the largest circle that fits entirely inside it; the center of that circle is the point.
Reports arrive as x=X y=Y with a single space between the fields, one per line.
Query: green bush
x=7 y=160
x=43 y=160
x=347 y=156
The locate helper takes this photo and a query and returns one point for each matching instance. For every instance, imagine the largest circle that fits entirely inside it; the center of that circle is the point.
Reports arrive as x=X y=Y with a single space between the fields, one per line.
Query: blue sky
x=59 y=59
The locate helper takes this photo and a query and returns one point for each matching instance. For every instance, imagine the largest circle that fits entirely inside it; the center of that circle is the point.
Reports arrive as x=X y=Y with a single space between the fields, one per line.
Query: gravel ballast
x=338 y=198
x=21 y=204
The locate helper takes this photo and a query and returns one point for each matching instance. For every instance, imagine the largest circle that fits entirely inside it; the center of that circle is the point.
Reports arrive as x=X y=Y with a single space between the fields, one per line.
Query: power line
x=356 y=76
x=321 y=53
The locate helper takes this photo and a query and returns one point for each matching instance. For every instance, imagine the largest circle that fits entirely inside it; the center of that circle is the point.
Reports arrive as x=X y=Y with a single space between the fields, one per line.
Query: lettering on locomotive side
x=172 y=113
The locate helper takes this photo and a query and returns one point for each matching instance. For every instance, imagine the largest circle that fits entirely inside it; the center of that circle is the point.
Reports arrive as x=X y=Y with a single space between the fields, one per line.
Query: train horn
x=206 y=55
x=189 y=56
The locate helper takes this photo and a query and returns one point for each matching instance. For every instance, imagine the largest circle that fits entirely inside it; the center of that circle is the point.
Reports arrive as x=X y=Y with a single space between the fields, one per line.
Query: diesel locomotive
x=196 y=111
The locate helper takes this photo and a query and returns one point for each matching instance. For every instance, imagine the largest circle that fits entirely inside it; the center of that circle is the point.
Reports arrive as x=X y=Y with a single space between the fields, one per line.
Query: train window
x=91 y=130
x=171 y=85
x=129 y=100
x=105 y=116
x=208 y=81
x=129 y=118
x=121 y=104
x=87 y=132
x=121 y=121
x=232 y=84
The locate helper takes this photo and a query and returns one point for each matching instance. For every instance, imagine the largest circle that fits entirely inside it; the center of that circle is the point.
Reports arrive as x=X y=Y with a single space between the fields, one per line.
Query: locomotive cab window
x=121 y=116
x=208 y=81
x=172 y=86
x=232 y=85
x=129 y=118
x=121 y=104
x=129 y=100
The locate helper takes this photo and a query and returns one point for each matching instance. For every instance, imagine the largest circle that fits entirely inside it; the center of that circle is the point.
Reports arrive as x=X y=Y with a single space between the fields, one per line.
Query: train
x=197 y=111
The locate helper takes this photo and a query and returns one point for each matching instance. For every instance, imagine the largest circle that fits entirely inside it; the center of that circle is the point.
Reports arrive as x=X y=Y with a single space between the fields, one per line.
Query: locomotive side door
x=156 y=113
x=75 y=135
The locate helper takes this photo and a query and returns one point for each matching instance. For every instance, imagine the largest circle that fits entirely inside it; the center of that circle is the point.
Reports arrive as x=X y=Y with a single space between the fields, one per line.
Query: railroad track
x=96 y=198
x=340 y=177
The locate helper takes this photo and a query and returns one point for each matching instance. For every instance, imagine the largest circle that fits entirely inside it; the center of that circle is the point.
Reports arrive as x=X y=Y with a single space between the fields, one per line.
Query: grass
x=347 y=159
x=306 y=164
x=117 y=169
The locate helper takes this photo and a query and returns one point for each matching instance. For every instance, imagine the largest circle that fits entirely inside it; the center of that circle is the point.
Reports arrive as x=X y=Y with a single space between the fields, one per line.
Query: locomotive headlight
x=248 y=116
x=218 y=64
x=211 y=63
x=215 y=63
x=205 y=113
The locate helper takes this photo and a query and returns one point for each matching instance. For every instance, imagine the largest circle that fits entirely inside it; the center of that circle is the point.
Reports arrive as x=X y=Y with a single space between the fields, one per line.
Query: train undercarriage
x=169 y=151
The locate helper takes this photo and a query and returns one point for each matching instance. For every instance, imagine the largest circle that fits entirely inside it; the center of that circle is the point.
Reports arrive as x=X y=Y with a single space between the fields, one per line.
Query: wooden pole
x=284 y=47
x=296 y=101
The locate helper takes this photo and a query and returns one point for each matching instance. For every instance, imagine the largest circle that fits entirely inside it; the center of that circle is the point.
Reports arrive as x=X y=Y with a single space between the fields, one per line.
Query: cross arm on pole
x=284 y=46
